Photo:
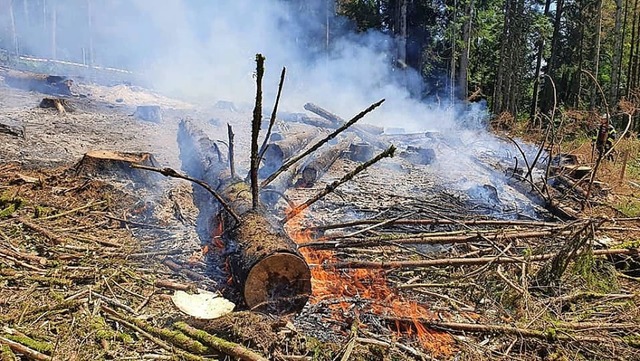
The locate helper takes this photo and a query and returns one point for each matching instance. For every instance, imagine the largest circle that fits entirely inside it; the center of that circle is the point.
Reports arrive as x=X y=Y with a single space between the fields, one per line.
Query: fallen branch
x=550 y=335
x=464 y=261
x=331 y=187
x=168 y=172
x=222 y=345
x=24 y=350
x=320 y=143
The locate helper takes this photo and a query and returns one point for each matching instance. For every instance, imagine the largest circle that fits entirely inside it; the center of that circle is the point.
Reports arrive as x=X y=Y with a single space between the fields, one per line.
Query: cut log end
x=111 y=163
x=280 y=283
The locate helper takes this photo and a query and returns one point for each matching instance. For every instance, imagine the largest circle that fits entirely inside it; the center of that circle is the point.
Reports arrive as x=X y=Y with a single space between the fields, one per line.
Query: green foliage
x=597 y=275
x=9 y=204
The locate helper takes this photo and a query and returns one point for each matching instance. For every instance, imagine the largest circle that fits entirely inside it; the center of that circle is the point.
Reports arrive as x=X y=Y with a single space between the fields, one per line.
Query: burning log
x=278 y=152
x=316 y=166
x=265 y=264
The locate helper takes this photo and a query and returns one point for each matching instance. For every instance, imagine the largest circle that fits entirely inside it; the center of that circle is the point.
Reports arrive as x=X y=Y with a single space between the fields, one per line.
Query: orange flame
x=367 y=284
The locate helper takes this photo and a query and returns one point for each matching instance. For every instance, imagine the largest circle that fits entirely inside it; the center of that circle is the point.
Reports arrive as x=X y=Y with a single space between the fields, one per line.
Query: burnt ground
x=88 y=261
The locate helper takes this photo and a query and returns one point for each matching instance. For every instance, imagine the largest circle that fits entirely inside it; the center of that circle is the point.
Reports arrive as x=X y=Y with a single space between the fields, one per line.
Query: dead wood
x=255 y=132
x=337 y=121
x=61 y=105
x=232 y=165
x=267 y=268
x=227 y=347
x=149 y=113
x=320 y=162
x=24 y=350
x=277 y=153
x=175 y=286
x=272 y=120
x=179 y=269
x=313 y=148
x=42 y=83
x=12 y=128
x=550 y=274
x=331 y=187
x=420 y=222
x=112 y=163
x=551 y=335
x=168 y=172
x=456 y=262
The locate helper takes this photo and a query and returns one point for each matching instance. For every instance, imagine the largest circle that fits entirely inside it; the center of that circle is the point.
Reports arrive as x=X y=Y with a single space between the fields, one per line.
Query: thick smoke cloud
x=204 y=51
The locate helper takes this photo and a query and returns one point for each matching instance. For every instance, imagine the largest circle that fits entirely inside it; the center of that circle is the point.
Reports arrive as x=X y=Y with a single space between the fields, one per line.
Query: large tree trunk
x=463 y=75
x=547 y=99
x=536 y=83
x=617 y=55
x=266 y=267
x=596 y=55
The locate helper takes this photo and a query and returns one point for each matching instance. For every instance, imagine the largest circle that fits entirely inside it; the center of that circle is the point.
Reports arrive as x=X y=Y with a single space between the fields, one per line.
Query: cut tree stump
x=360 y=152
x=149 y=113
x=98 y=163
x=12 y=127
x=59 y=104
x=278 y=152
x=419 y=155
x=265 y=265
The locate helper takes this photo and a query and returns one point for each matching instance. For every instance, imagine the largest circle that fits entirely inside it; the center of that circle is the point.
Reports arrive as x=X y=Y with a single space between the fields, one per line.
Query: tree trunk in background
x=596 y=56
x=401 y=32
x=90 y=57
x=536 y=82
x=634 y=46
x=498 y=93
x=14 y=33
x=54 y=24
x=463 y=76
x=617 y=55
x=547 y=100
x=452 y=74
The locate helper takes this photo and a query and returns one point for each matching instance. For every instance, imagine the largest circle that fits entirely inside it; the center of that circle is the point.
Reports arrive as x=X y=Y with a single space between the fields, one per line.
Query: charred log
x=278 y=152
x=42 y=83
x=317 y=165
x=12 y=128
x=61 y=105
x=360 y=152
x=366 y=132
x=265 y=265
x=149 y=113
x=419 y=155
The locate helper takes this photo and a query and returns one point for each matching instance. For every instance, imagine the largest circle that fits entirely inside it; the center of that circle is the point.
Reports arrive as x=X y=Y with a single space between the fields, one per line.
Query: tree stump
x=12 y=127
x=149 y=113
x=100 y=163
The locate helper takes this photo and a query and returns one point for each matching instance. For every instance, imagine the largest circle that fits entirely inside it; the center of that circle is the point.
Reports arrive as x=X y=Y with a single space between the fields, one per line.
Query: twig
x=374 y=226
x=293 y=160
x=331 y=187
x=113 y=302
x=427 y=222
x=45 y=232
x=352 y=341
x=232 y=166
x=255 y=132
x=222 y=345
x=168 y=172
x=88 y=205
x=179 y=269
x=24 y=350
x=272 y=120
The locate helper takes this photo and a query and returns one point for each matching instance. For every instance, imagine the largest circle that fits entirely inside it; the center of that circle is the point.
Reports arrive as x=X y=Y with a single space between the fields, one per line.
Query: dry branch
x=444 y=262
x=311 y=149
x=272 y=120
x=255 y=132
x=331 y=187
x=230 y=348
x=24 y=350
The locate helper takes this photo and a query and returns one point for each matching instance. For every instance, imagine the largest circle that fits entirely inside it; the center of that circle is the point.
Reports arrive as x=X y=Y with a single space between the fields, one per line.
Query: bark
x=463 y=82
x=279 y=152
x=617 y=54
x=12 y=128
x=596 y=56
x=634 y=47
x=317 y=165
x=548 y=100
x=536 y=83
x=265 y=265
x=97 y=163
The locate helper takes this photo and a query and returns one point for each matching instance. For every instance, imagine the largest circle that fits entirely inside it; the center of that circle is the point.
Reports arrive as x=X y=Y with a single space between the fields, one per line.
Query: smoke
x=204 y=51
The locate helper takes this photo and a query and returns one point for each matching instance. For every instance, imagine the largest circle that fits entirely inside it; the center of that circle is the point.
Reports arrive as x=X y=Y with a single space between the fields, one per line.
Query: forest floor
x=89 y=261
